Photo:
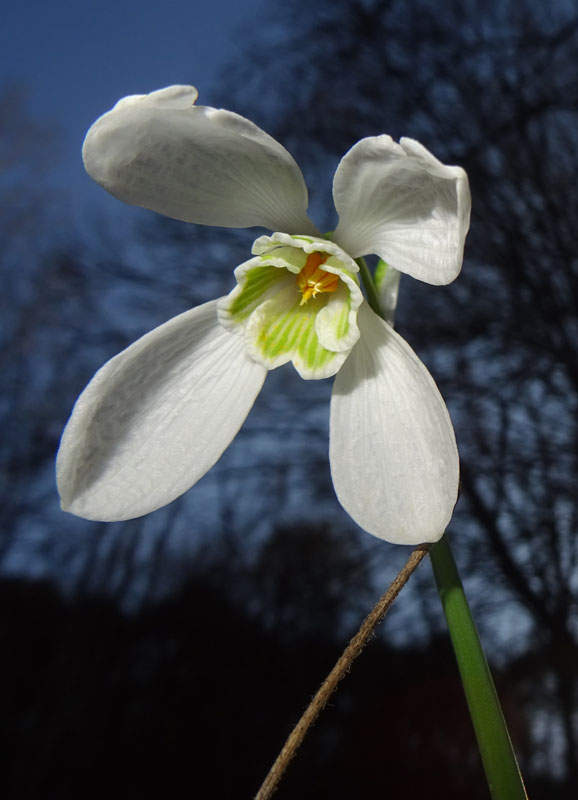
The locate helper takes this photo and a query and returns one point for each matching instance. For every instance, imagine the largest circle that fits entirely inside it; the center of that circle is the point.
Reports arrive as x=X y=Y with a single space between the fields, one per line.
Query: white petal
x=336 y=323
x=394 y=460
x=400 y=202
x=156 y=417
x=196 y=164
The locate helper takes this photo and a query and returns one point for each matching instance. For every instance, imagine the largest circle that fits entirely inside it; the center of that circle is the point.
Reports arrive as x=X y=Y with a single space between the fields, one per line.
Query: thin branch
x=342 y=666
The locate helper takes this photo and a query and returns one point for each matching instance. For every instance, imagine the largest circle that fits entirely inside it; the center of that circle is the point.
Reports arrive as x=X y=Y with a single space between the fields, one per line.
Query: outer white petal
x=393 y=454
x=400 y=202
x=196 y=164
x=156 y=417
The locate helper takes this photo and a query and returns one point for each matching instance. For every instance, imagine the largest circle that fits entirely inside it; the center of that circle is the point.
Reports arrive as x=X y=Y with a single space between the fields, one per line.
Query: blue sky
x=76 y=59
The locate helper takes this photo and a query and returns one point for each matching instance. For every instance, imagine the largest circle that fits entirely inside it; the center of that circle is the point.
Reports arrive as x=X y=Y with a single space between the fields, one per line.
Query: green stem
x=498 y=757
x=369 y=286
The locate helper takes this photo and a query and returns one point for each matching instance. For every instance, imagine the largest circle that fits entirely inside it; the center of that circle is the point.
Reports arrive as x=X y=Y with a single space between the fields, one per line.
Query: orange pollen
x=312 y=280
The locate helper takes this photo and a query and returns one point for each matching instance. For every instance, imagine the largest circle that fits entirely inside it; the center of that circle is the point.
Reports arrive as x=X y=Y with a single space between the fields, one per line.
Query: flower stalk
x=498 y=757
x=369 y=286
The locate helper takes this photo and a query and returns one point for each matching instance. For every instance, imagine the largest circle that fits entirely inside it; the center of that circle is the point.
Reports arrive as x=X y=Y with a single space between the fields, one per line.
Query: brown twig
x=342 y=666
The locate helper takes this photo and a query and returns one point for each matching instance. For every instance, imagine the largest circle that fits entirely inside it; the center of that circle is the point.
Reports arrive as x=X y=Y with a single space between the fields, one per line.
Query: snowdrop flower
x=157 y=417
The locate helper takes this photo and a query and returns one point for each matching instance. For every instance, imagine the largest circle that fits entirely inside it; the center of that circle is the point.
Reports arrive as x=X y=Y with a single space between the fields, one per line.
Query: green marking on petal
x=304 y=239
x=312 y=357
x=282 y=330
x=311 y=347
x=342 y=321
x=257 y=282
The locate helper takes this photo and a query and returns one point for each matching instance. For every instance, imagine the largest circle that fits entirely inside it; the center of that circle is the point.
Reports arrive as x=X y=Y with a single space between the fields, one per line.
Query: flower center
x=312 y=280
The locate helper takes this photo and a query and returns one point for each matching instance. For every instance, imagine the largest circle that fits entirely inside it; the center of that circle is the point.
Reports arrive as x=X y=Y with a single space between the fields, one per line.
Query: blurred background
x=174 y=653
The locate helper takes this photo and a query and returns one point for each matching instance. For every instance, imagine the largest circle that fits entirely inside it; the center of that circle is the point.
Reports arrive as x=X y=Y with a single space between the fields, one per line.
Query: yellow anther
x=312 y=280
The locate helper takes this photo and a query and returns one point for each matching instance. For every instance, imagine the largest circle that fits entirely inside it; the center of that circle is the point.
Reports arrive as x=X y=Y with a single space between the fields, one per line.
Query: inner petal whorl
x=295 y=301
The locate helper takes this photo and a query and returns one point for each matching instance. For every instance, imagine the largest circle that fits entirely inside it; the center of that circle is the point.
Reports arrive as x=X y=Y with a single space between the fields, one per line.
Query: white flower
x=157 y=417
